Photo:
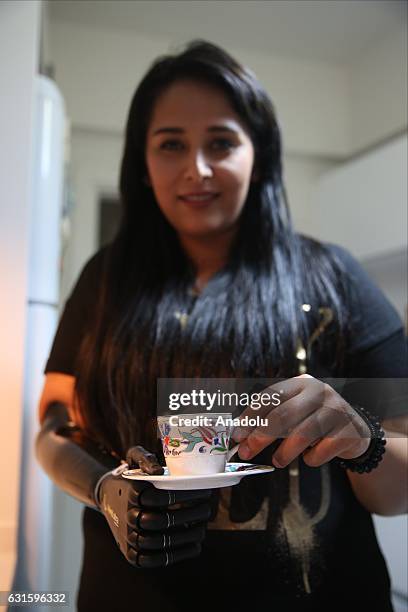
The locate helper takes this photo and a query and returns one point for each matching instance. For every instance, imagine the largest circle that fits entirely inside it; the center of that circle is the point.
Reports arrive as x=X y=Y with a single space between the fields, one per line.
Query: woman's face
x=199 y=159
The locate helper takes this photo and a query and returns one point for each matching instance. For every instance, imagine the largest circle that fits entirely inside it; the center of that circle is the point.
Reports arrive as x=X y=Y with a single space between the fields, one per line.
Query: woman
x=207 y=278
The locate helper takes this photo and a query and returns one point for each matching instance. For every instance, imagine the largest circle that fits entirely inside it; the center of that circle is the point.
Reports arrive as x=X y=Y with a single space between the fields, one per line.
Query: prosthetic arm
x=72 y=462
x=152 y=527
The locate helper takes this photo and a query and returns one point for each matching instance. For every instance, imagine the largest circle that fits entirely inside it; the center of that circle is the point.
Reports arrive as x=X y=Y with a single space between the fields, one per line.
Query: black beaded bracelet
x=374 y=454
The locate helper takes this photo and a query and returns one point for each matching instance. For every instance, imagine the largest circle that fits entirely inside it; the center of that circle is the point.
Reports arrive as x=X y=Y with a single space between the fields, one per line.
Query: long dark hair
x=247 y=321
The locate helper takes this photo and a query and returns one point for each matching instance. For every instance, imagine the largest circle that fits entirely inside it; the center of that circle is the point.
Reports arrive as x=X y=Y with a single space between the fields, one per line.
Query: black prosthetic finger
x=137 y=489
x=133 y=518
x=191 y=496
x=167 y=540
x=165 y=520
x=151 y=560
x=147 y=461
x=156 y=498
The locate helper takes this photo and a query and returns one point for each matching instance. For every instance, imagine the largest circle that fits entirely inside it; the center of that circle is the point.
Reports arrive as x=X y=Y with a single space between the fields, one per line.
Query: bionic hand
x=152 y=527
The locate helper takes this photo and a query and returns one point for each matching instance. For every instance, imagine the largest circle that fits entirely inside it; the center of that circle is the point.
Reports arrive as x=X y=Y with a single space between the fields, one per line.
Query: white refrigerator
x=37 y=493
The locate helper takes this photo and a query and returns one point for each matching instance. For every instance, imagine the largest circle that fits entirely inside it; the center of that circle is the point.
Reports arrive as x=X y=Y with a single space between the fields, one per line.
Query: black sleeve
x=373 y=317
x=376 y=361
x=377 y=378
x=76 y=314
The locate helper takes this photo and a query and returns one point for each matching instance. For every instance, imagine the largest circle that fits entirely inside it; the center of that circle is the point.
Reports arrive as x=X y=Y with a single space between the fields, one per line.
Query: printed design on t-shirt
x=223 y=521
x=296 y=526
x=302 y=352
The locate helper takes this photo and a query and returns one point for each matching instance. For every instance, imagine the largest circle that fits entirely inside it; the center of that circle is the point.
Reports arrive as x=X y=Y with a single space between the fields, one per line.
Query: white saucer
x=232 y=476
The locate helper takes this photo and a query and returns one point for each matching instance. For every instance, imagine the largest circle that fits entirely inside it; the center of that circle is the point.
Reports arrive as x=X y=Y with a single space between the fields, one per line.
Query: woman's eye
x=222 y=143
x=219 y=144
x=171 y=145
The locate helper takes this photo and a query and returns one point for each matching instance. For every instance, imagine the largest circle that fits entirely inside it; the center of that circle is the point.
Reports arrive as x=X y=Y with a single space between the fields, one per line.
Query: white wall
x=363 y=203
x=301 y=173
x=19 y=45
x=45 y=48
x=389 y=272
x=94 y=172
x=378 y=91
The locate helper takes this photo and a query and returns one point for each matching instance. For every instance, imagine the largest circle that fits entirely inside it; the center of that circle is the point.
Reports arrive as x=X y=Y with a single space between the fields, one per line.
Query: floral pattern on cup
x=210 y=439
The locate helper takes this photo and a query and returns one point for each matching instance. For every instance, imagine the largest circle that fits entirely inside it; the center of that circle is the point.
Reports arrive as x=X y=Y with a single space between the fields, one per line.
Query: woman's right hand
x=153 y=527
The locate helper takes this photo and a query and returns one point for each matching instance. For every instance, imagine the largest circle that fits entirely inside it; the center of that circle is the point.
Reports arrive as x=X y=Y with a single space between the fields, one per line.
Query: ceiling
x=325 y=30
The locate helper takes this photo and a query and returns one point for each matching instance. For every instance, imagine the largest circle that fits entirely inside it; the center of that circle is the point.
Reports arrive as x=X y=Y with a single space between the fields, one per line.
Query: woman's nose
x=198 y=166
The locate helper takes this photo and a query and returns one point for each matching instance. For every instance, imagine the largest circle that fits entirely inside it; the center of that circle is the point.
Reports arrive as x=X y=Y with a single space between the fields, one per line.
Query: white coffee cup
x=195 y=444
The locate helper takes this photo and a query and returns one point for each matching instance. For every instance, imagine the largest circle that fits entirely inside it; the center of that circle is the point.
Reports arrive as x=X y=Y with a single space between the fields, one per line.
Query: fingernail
x=276 y=463
x=237 y=434
x=244 y=451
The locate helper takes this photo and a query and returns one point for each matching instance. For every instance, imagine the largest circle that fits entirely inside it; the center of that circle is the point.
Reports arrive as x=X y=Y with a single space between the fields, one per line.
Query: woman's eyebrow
x=178 y=130
x=222 y=128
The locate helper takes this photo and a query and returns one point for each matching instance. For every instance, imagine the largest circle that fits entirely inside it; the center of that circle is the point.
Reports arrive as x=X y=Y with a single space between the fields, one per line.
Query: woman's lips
x=199 y=200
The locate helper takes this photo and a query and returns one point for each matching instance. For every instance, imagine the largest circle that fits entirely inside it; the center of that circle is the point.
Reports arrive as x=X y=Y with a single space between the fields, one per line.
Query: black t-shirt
x=247 y=557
